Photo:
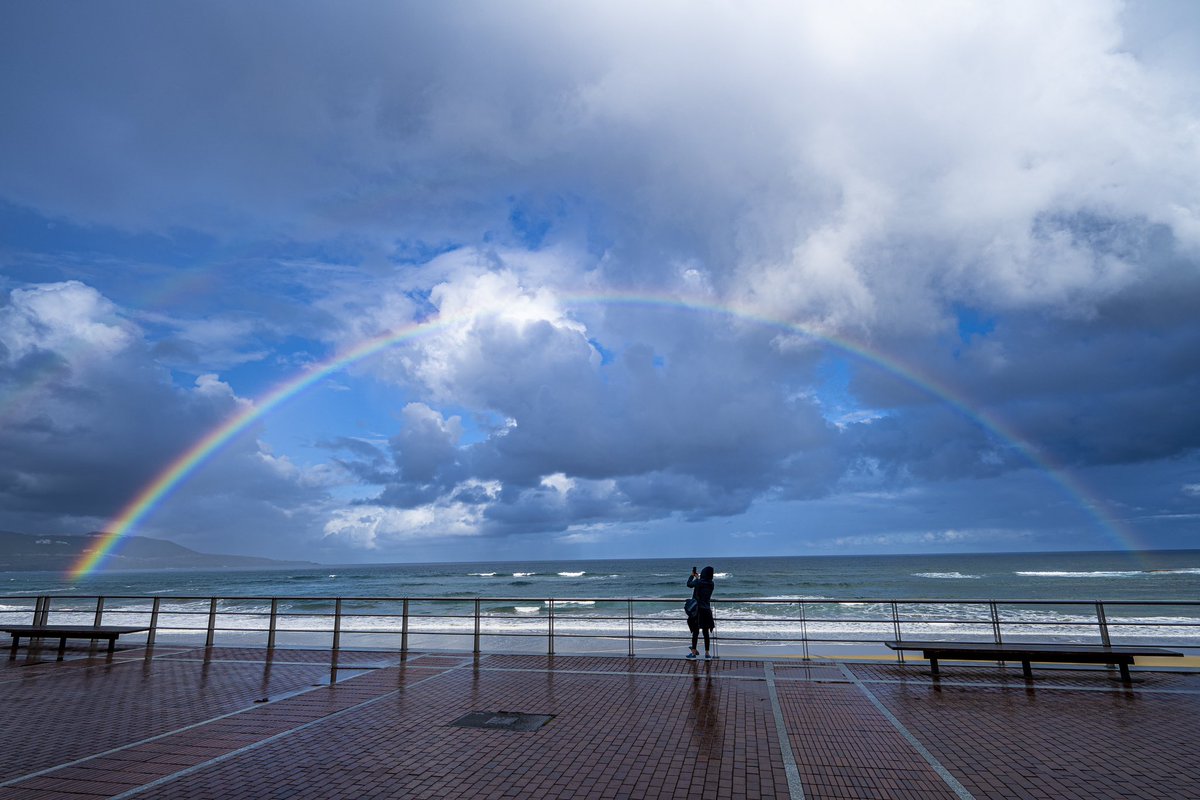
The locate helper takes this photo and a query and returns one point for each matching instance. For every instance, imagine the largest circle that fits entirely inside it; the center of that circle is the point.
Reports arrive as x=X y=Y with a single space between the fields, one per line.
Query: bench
x=64 y=632
x=1122 y=656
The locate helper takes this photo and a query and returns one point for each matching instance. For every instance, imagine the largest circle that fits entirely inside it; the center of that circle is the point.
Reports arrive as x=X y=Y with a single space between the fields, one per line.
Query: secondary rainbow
x=158 y=489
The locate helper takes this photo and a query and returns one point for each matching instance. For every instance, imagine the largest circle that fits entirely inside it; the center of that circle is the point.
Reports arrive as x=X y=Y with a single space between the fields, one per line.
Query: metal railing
x=746 y=626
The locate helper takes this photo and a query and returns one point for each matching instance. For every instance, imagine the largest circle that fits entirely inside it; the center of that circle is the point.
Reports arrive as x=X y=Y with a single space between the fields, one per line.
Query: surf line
x=160 y=487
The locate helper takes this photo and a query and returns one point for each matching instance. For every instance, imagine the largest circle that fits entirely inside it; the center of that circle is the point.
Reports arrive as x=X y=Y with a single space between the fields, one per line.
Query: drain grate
x=502 y=721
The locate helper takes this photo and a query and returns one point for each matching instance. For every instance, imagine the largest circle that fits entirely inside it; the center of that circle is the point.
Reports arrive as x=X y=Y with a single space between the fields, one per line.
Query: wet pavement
x=231 y=723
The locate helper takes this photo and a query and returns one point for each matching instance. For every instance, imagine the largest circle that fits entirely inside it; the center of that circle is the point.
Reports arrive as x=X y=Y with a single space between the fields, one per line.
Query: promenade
x=232 y=723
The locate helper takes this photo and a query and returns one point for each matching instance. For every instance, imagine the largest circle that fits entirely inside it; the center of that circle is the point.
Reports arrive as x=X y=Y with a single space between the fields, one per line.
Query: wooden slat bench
x=64 y=632
x=1122 y=656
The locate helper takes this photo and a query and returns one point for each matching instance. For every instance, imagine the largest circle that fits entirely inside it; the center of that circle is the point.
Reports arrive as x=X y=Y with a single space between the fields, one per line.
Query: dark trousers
x=702 y=620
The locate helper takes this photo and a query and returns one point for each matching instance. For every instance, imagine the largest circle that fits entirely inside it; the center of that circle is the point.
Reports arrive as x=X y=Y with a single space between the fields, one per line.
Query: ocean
x=1149 y=597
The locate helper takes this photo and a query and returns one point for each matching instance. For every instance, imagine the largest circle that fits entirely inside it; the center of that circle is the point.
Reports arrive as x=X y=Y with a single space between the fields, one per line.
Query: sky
x=534 y=280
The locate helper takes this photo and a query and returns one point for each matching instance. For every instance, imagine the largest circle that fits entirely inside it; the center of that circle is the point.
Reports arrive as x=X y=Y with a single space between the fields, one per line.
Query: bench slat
x=64 y=632
x=1049 y=649
x=1121 y=655
x=73 y=631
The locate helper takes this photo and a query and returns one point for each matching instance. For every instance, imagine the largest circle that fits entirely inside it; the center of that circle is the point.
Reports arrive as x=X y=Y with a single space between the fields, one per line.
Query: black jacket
x=701 y=590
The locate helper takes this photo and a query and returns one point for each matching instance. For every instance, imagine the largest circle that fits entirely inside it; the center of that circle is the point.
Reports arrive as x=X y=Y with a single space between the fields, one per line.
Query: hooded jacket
x=702 y=588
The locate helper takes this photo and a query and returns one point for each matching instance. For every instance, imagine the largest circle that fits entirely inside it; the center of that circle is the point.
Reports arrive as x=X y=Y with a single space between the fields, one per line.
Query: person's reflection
x=704 y=716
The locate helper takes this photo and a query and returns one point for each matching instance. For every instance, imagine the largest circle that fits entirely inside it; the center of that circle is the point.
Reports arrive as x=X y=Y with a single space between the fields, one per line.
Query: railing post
x=896 y=629
x=273 y=625
x=804 y=629
x=996 y=623
x=631 y=627
x=99 y=618
x=404 y=629
x=475 y=650
x=212 y=622
x=153 y=622
x=337 y=626
x=550 y=628
x=41 y=611
x=1102 y=619
x=716 y=643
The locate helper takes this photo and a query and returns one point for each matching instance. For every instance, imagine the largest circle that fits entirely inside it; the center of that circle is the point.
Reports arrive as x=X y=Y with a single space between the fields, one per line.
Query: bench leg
x=933 y=666
x=112 y=644
x=12 y=654
x=1125 y=673
x=62 y=647
x=1028 y=670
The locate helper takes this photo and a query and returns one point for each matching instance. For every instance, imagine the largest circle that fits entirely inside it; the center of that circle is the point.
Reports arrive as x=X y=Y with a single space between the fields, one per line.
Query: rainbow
x=157 y=490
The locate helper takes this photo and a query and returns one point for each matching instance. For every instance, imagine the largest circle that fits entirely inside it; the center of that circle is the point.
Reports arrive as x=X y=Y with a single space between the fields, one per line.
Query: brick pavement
x=234 y=723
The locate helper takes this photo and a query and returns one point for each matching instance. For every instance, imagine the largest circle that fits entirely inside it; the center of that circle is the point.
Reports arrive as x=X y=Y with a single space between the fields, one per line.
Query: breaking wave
x=1132 y=573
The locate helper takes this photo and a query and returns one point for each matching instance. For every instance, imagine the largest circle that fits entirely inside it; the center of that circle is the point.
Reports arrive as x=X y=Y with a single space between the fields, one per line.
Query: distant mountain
x=22 y=552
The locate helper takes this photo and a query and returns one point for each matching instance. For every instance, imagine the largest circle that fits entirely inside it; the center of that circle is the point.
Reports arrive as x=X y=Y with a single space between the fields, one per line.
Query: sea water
x=829 y=602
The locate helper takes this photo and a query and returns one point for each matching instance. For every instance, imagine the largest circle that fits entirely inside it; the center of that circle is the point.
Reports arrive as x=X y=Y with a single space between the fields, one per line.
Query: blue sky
x=926 y=275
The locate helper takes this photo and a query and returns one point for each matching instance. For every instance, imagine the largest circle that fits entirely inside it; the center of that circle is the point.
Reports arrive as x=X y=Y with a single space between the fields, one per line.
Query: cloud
x=995 y=202
x=90 y=419
x=751 y=534
x=677 y=420
x=582 y=537
x=791 y=154
x=381 y=527
x=948 y=538
x=67 y=317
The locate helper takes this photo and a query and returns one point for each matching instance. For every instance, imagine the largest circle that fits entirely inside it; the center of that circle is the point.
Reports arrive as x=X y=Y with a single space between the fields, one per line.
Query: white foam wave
x=483 y=574
x=1029 y=624
x=572 y=574
x=1124 y=573
x=523 y=574
x=574 y=602
x=1133 y=573
x=25 y=609
x=30 y=592
x=944 y=575
x=722 y=575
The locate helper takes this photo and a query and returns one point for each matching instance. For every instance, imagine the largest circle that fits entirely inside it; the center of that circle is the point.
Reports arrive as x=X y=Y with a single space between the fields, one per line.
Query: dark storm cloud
x=231 y=117
x=90 y=419
x=897 y=175
x=692 y=420
x=1112 y=385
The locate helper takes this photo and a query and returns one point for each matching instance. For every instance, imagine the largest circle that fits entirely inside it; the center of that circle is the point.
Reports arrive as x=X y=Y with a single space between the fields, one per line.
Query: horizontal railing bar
x=772 y=622
x=648 y=600
x=585 y=618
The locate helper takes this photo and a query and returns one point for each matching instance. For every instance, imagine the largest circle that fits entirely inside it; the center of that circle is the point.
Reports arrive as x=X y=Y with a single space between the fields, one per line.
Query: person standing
x=700 y=617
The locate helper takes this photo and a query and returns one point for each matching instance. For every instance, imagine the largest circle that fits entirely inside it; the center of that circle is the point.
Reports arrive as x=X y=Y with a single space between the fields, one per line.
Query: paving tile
x=1066 y=734
x=184 y=723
